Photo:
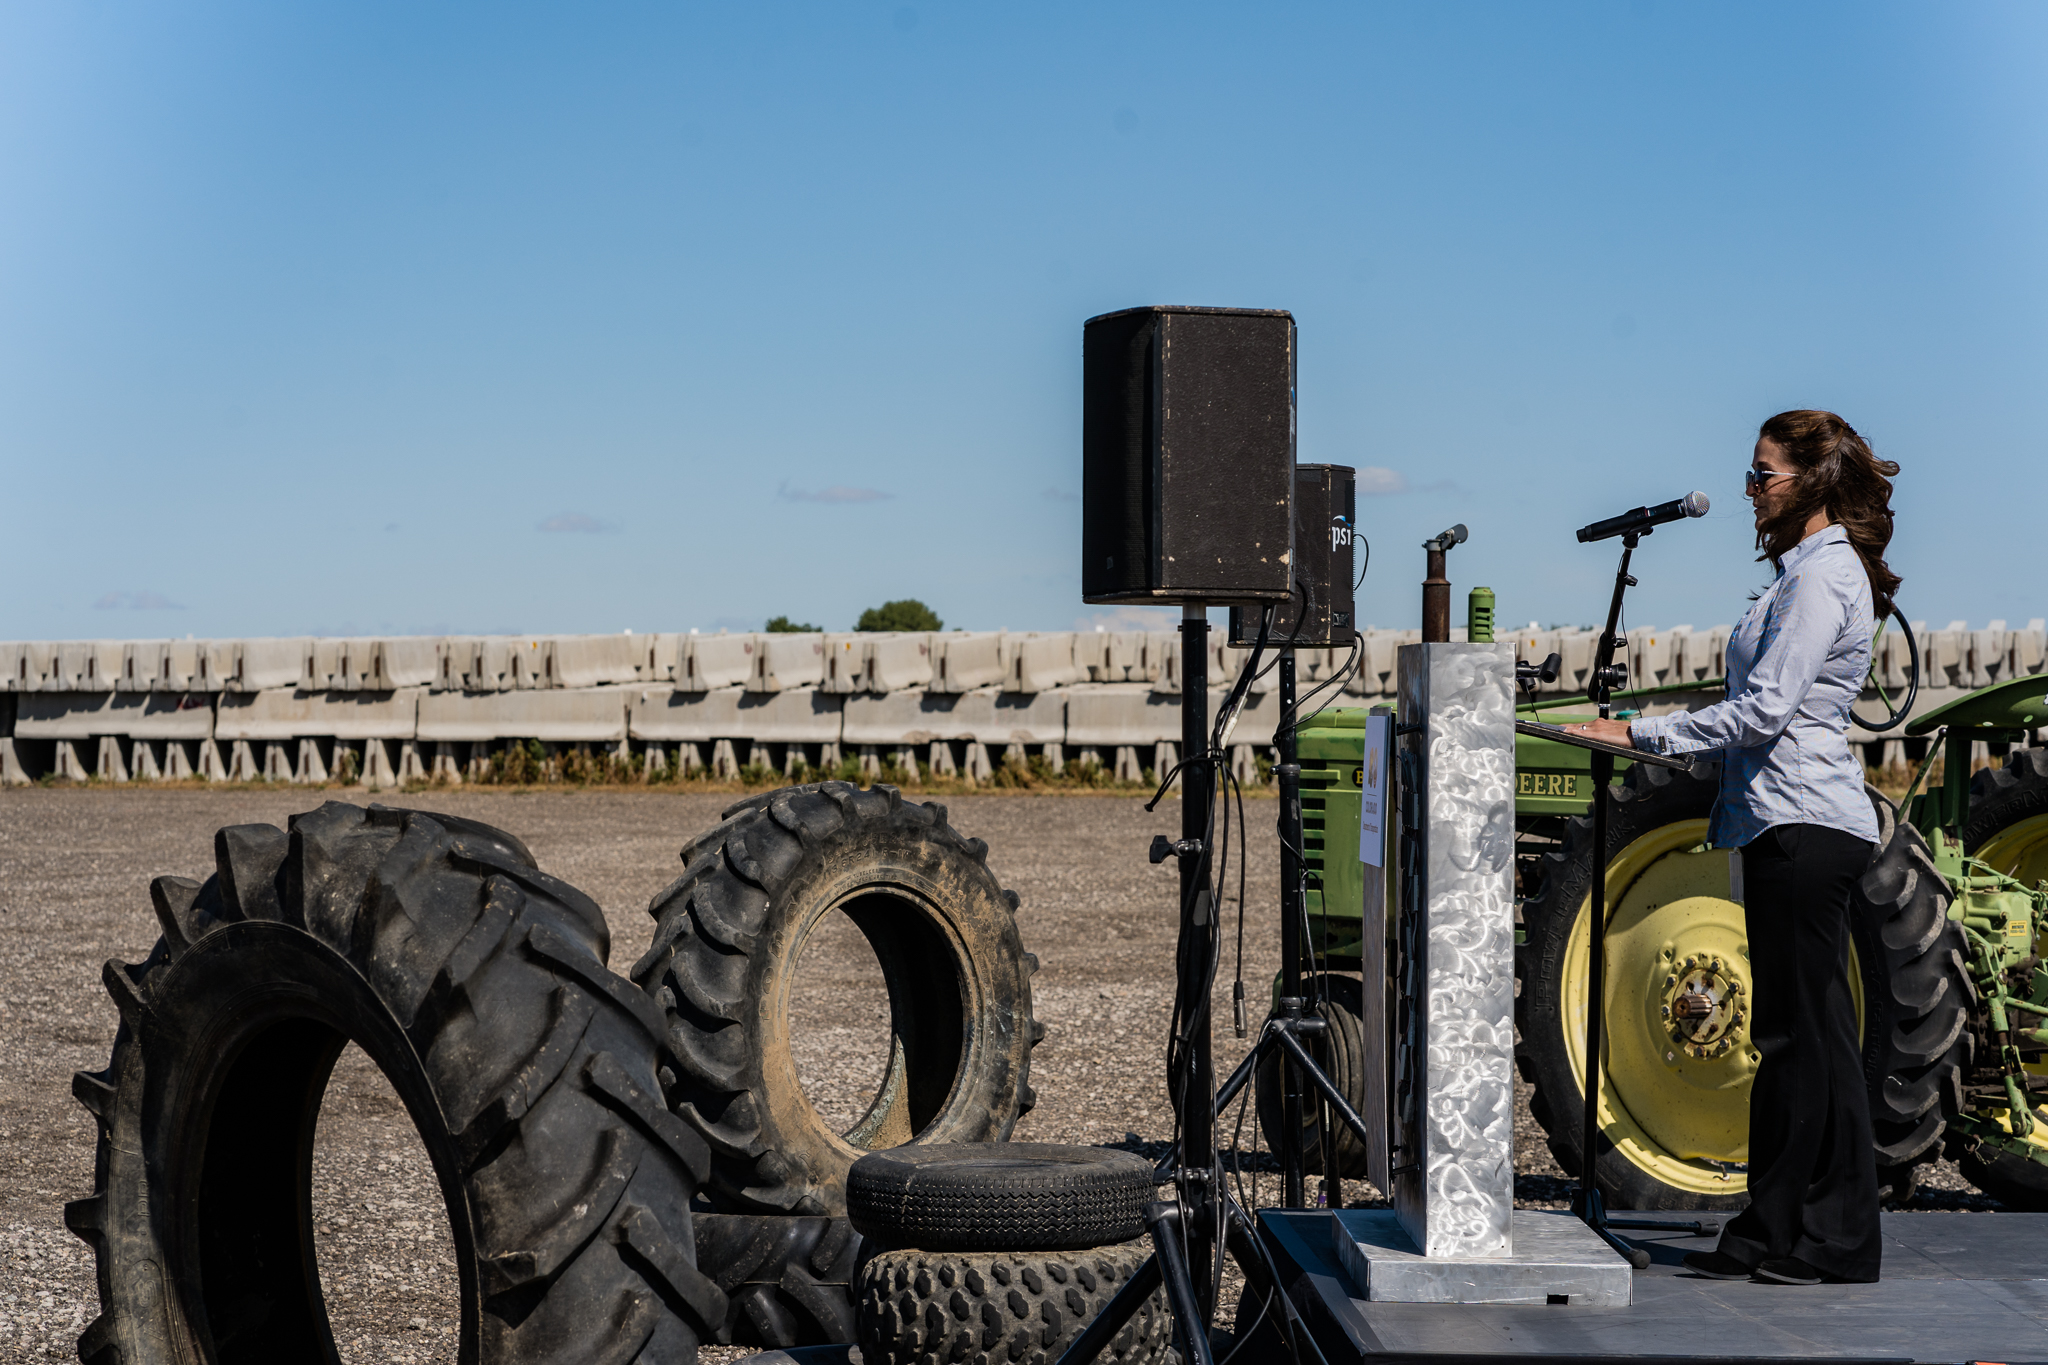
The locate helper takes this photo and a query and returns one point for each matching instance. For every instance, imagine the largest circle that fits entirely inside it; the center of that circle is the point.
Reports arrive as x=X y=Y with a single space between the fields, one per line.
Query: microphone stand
x=1607 y=674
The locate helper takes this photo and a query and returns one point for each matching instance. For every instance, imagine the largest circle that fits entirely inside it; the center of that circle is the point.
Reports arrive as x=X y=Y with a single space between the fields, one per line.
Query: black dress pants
x=1812 y=1171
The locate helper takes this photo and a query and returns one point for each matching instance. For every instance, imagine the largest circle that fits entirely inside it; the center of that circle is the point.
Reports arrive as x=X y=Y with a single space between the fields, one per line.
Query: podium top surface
x=1956 y=1286
x=1545 y=730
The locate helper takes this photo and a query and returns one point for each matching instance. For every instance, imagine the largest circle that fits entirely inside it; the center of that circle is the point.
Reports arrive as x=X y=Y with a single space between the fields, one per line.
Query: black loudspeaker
x=1187 y=455
x=1319 y=615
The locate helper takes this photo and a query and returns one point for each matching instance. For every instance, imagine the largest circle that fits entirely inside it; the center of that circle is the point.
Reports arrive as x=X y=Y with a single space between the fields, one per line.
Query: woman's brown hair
x=1836 y=473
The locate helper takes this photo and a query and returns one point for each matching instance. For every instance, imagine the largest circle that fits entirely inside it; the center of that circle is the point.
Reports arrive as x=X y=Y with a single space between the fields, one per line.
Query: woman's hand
x=1606 y=731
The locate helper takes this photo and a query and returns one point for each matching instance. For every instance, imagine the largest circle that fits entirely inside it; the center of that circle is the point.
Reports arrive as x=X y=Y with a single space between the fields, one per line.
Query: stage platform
x=1956 y=1287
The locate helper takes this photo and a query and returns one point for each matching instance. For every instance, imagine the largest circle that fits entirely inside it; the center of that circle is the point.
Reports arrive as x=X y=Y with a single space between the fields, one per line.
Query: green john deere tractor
x=1945 y=966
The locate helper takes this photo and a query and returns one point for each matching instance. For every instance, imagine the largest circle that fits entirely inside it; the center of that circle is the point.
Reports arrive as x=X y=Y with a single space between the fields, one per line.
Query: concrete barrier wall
x=958 y=701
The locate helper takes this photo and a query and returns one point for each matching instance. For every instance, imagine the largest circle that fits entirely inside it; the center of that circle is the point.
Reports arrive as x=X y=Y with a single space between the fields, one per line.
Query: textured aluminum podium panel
x=1556 y=1259
x=1454 y=1030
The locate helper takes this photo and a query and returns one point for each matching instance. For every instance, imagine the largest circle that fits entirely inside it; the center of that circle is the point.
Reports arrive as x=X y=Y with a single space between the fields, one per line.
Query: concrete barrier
x=88 y=715
x=596 y=660
x=800 y=716
x=557 y=715
x=289 y=713
x=710 y=662
x=401 y=661
x=846 y=662
x=899 y=661
x=1039 y=663
x=963 y=660
x=726 y=700
x=783 y=662
x=918 y=717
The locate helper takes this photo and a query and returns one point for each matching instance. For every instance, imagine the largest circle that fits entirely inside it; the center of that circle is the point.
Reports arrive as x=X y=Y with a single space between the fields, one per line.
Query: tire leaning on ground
x=729 y=934
x=1675 y=1110
x=1000 y=1251
x=477 y=983
x=2008 y=828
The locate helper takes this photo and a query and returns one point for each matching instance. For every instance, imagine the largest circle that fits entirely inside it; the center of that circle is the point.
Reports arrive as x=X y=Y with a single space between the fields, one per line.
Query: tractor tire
x=1340 y=1049
x=1917 y=1002
x=788 y=1281
x=1676 y=1116
x=478 y=984
x=1020 y=1308
x=729 y=934
x=2008 y=828
x=1000 y=1196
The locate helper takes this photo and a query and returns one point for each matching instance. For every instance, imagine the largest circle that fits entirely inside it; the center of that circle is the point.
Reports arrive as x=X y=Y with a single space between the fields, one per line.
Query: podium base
x=1556 y=1259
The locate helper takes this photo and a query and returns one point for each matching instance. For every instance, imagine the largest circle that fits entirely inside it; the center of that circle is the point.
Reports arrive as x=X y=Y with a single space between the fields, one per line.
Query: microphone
x=1643 y=519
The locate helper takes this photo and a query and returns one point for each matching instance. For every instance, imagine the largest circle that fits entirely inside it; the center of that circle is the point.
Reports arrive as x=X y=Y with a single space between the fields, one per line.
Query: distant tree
x=908 y=614
x=782 y=625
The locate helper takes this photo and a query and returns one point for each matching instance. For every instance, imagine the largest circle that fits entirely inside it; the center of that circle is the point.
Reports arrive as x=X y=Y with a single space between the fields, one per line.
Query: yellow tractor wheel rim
x=1675 y=1098
x=2020 y=851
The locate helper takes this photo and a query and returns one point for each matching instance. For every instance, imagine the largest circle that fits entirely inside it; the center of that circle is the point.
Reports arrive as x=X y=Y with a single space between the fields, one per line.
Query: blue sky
x=322 y=318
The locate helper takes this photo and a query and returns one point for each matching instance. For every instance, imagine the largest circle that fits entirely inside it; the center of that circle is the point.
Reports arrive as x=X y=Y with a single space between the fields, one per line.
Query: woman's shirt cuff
x=1652 y=734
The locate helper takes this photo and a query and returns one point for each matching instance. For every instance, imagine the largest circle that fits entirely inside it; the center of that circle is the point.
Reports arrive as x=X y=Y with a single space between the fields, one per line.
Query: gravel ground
x=75 y=867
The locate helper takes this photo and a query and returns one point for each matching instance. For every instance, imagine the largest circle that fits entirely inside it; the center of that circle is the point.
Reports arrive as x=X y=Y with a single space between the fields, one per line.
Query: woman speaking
x=1792 y=800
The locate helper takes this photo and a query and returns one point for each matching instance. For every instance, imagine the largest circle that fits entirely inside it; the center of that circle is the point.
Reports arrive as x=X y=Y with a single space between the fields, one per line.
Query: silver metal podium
x=1439 y=996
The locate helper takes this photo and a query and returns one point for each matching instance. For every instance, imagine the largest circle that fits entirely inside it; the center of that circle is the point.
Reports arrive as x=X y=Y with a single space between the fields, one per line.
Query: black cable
x=1337 y=679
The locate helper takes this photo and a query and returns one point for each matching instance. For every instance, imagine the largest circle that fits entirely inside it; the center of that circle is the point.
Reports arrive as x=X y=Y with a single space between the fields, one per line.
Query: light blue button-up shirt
x=1796 y=663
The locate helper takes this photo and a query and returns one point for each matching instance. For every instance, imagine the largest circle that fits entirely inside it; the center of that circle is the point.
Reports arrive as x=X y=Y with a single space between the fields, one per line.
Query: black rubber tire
x=477 y=983
x=1916 y=990
x=1023 y=1308
x=729 y=933
x=1340 y=1048
x=1917 y=1001
x=2006 y=1176
x=788 y=1281
x=999 y=1196
x=2003 y=796
x=1999 y=799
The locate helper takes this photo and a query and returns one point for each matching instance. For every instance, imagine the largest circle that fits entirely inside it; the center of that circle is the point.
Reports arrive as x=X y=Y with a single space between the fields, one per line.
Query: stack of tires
x=1000 y=1252
x=579 y=1122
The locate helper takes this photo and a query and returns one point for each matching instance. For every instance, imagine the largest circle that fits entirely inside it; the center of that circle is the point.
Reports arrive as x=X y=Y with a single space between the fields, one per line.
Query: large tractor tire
x=2008 y=828
x=1675 y=1099
x=730 y=932
x=1340 y=1050
x=478 y=984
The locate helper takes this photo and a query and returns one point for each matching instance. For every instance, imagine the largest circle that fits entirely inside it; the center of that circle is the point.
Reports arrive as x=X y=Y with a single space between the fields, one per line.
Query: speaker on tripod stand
x=1187 y=451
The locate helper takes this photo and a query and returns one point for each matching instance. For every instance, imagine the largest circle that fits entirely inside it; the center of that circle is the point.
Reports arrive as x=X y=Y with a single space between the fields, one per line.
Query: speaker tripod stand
x=1205 y=1218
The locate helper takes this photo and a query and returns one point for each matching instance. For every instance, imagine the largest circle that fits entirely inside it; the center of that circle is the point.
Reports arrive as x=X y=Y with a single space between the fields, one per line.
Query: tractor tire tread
x=922 y=1307
x=577 y=1193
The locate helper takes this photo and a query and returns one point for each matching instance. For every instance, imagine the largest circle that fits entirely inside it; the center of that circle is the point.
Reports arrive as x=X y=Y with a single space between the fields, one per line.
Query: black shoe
x=1788 y=1270
x=1716 y=1265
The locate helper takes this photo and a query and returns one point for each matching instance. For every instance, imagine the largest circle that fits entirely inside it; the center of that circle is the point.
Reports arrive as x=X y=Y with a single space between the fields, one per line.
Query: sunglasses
x=1754 y=479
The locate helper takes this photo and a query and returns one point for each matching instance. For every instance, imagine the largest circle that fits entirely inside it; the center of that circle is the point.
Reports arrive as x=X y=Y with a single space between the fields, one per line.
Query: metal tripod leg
x=1168 y=1266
